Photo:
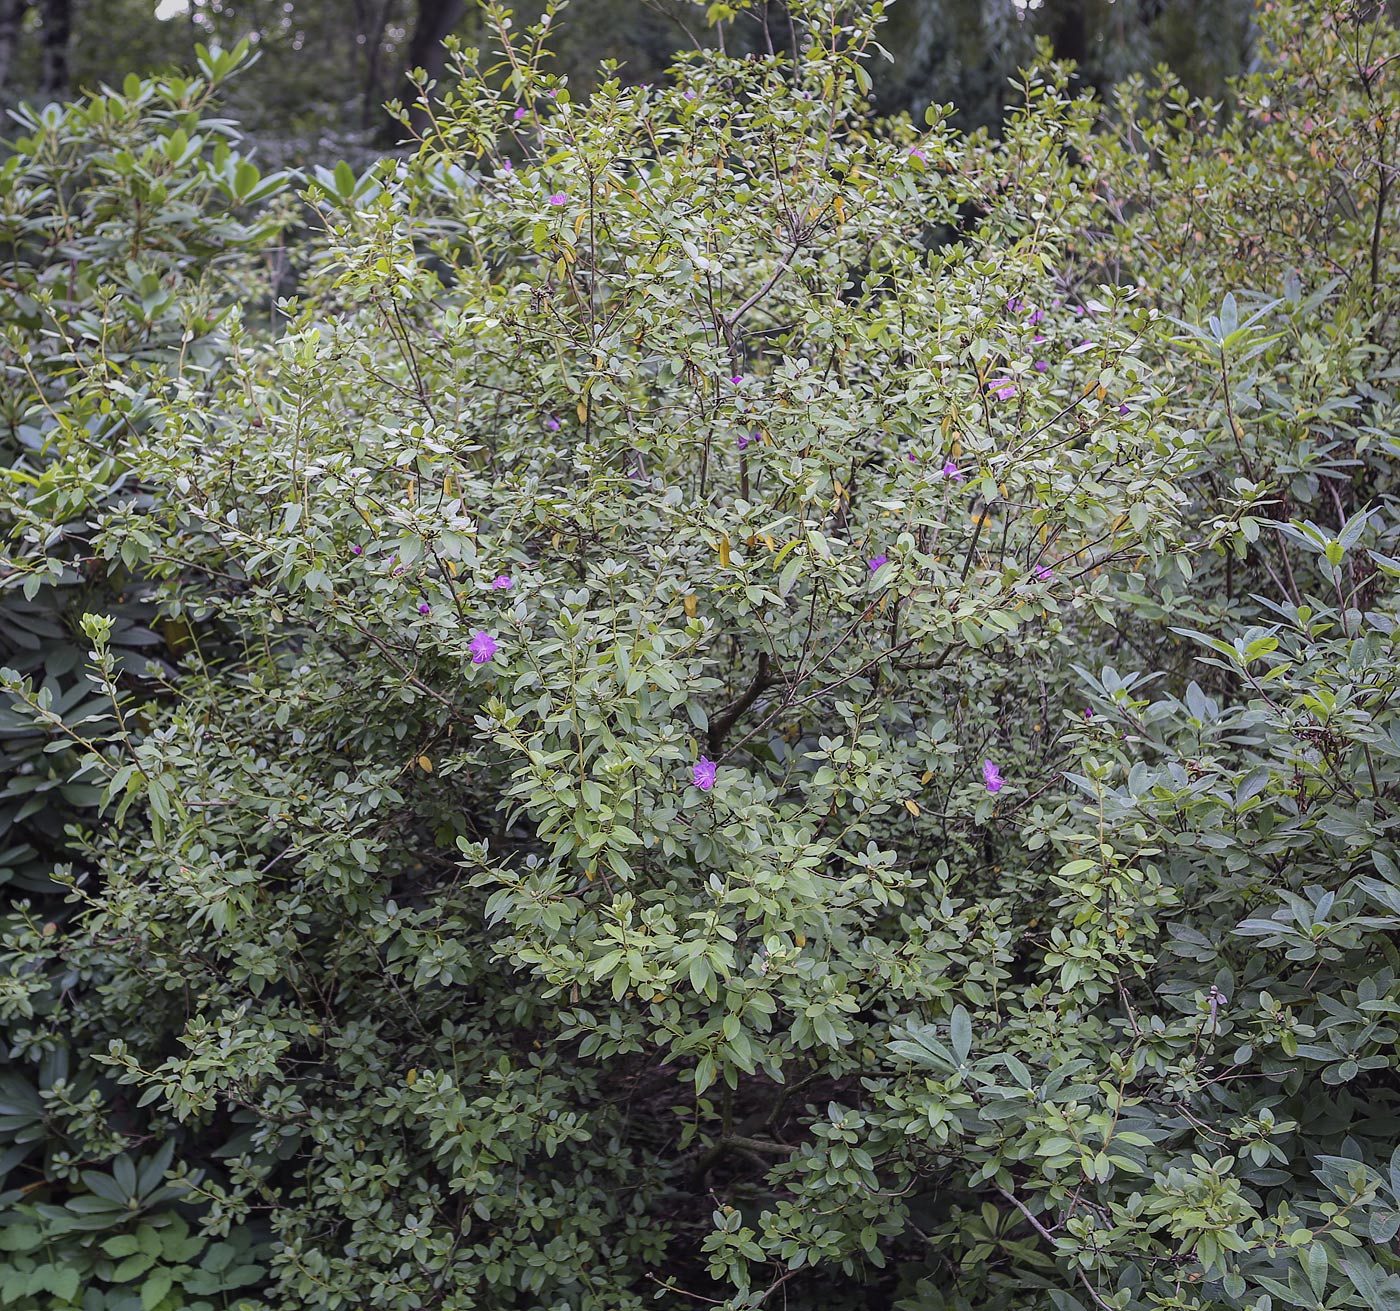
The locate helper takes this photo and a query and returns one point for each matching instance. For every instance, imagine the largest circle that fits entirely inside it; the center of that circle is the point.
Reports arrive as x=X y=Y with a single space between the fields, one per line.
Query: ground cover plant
x=758 y=707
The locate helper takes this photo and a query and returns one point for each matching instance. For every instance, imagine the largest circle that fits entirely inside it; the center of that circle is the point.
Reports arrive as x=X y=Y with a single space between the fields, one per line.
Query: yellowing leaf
x=582 y=412
x=912 y=807
x=425 y=764
x=690 y=607
x=927 y=775
x=724 y=551
x=411 y=1078
x=801 y=939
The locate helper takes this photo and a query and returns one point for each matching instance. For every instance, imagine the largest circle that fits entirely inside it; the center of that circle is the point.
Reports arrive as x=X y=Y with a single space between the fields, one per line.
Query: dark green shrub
x=129 y=224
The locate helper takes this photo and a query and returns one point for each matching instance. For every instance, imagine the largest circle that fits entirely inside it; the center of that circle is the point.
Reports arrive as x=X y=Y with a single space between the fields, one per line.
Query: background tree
x=434 y=22
x=55 y=29
x=327 y=64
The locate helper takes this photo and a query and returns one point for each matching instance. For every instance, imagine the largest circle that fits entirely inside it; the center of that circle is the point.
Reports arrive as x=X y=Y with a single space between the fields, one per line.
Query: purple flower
x=425 y=609
x=553 y=95
x=1122 y=409
x=483 y=647
x=559 y=198
x=702 y=773
x=876 y=561
x=501 y=581
x=991 y=776
x=1088 y=714
x=357 y=549
x=737 y=379
x=916 y=153
x=1014 y=305
x=507 y=166
x=1041 y=366
x=744 y=440
x=1077 y=311
x=950 y=470
x=1038 y=338
x=520 y=113
x=1035 y=317
x=690 y=95
x=913 y=459
x=1003 y=388
x=1044 y=573
x=398 y=571
x=552 y=424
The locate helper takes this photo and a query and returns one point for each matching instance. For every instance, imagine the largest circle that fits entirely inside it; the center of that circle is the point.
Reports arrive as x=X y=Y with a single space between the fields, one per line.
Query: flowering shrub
x=652 y=810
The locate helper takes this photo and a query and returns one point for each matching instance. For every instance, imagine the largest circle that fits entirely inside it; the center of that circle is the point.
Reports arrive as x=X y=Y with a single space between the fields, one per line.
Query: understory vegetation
x=696 y=698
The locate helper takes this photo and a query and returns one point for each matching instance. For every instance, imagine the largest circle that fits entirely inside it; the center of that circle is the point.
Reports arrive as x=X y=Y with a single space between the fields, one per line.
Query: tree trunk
x=54 y=37
x=1068 y=31
x=435 y=21
x=369 y=104
x=12 y=14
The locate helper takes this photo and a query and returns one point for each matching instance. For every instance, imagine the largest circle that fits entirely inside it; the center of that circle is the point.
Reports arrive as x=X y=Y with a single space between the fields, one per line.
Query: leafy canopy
x=666 y=794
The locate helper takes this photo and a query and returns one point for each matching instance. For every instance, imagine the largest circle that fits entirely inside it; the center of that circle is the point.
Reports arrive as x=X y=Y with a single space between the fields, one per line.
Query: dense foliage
x=750 y=706
x=126 y=225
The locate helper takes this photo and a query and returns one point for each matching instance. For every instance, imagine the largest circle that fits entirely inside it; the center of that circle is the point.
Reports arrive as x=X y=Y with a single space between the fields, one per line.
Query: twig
x=1050 y=1238
x=719 y=729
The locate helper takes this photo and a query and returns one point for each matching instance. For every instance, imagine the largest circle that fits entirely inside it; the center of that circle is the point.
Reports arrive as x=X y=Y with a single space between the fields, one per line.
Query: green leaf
x=133 y=1266
x=155 y=1288
x=960 y=1033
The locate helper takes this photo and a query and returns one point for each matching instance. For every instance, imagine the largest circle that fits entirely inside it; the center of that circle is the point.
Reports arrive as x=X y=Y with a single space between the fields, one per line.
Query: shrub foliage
x=760 y=707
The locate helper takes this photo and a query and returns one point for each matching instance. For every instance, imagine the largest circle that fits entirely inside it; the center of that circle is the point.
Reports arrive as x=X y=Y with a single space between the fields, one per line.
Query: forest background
x=328 y=65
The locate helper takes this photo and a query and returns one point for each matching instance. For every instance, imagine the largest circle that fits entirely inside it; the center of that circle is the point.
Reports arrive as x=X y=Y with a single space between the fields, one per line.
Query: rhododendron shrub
x=631 y=830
